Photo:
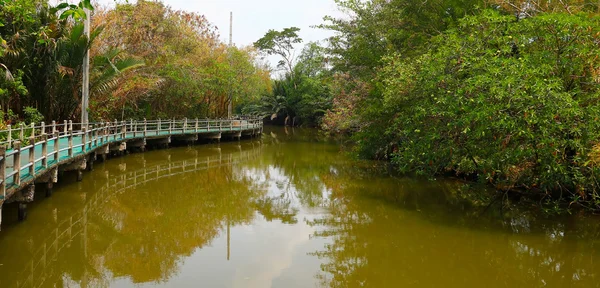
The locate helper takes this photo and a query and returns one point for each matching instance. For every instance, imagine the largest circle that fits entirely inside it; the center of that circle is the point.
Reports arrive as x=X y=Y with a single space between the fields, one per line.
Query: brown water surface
x=289 y=210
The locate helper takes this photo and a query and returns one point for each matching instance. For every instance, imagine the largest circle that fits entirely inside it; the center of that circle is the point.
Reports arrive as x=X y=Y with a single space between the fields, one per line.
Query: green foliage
x=371 y=31
x=377 y=27
x=41 y=51
x=280 y=43
x=300 y=96
x=187 y=71
x=77 y=12
x=451 y=87
x=513 y=103
x=32 y=115
x=147 y=60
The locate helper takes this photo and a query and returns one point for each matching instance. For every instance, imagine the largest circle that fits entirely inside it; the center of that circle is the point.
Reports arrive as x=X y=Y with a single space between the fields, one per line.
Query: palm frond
x=8 y=76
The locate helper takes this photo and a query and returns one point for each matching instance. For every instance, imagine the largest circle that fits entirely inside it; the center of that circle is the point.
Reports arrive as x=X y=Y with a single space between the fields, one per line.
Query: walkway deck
x=55 y=146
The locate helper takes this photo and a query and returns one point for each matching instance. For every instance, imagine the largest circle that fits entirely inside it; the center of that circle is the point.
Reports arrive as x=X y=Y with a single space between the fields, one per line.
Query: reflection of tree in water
x=302 y=162
x=291 y=173
x=143 y=231
x=392 y=233
x=167 y=220
x=277 y=208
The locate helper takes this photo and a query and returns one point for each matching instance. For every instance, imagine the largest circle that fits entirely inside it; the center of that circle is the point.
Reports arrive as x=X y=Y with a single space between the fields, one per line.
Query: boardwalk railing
x=33 y=151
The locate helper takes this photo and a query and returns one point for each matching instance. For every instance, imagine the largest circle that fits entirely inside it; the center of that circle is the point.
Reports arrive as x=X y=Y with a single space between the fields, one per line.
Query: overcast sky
x=253 y=18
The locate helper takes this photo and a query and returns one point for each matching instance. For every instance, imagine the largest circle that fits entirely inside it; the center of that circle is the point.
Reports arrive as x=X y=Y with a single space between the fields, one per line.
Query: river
x=288 y=210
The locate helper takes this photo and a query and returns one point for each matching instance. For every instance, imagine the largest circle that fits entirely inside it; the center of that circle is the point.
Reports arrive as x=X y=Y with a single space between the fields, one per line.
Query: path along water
x=289 y=210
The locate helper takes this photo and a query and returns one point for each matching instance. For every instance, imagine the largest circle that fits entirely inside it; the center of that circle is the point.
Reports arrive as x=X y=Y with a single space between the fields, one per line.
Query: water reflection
x=289 y=210
x=389 y=232
x=132 y=220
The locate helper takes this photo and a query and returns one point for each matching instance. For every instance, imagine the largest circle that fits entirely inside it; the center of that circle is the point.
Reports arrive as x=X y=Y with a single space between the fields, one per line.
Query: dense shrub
x=509 y=101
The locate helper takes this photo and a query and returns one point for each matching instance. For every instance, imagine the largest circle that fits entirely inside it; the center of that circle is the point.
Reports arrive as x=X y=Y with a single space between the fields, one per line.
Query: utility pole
x=230 y=98
x=85 y=87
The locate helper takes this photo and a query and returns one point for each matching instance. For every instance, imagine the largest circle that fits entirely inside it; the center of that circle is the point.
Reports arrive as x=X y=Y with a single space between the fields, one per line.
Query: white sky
x=253 y=18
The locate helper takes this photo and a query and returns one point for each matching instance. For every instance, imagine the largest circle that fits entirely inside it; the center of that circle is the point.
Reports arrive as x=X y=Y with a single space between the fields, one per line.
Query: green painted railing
x=31 y=151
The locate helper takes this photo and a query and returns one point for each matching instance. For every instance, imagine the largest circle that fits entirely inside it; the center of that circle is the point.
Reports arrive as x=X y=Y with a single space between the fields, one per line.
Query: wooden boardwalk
x=35 y=154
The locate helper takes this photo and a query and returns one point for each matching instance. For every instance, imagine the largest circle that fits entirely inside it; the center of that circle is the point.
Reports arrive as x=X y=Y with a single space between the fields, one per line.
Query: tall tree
x=281 y=43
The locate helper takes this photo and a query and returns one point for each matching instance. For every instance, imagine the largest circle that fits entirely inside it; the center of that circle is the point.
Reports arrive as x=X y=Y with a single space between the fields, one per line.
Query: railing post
x=95 y=136
x=123 y=129
x=196 y=126
x=135 y=129
x=17 y=163
x=131 y=127
x=56 y=147
x=9 y=136
x=158 y=126
x=91 y=135
x=32 y=156
x=220 y=125
x=70 y=143
x=21 y=133
x=184 y=125
x=104 y=137
x=208 y=125
x=116 y=126
x=230 y=125
x=43 y=124
x=66 y=127
x=83 y=139
x=32 y=130
x=45 y=151
x=53 y=127
x=3 y=172
x=170 y=126
x=70 y=125
x=145 y=127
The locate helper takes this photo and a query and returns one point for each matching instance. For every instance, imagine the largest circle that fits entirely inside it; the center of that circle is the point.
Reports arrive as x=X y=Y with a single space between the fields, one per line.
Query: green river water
x=288 y=210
